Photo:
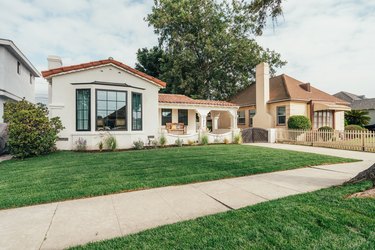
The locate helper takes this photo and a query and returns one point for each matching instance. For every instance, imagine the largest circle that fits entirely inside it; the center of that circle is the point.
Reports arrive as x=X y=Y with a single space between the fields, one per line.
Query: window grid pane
x=183 y=116
x=111 y=110
x=166 y=116
x=83 y=109
x=136 y=111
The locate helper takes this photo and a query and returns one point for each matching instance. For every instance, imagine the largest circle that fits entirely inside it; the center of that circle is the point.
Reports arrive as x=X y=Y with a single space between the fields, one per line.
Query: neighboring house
x=360 y=102
x=108 y=97
x=271 y=101
x=17 y=75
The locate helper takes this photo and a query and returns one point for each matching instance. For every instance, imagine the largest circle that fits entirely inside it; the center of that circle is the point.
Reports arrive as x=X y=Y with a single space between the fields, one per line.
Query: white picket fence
x=349 y=140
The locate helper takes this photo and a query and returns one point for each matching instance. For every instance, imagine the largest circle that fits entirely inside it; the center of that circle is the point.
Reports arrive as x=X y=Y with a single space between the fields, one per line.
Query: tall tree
x=209 y=50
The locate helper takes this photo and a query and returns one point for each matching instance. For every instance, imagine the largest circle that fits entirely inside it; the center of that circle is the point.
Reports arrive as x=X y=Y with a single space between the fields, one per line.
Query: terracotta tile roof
x=285 y=88
x=183 y=99
x=66 y=69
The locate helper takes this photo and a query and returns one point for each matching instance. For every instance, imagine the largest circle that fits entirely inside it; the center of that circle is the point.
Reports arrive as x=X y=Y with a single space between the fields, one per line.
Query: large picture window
x=83 y=109
x=183 y=116
x=136 y=111
x=281 y=116
x=323 y=118
x=241 y=117
x=111 y=110
x=166 y=116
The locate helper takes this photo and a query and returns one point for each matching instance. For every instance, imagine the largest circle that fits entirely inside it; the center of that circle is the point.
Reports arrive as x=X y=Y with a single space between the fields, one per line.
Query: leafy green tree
x=208 y=47
x=151 y=61
x=357 y=117
x=30 y=130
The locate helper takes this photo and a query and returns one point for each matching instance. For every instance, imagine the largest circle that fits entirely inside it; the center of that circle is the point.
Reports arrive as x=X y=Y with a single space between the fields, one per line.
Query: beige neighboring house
x=105 y=97
x=271 y=101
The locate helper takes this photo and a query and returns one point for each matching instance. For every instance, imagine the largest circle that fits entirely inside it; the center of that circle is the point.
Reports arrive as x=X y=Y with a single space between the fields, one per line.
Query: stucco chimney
x=262 y=118
x=54 y=62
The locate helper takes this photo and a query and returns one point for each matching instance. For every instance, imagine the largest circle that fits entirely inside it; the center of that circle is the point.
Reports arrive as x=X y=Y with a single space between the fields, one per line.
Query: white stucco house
x=108 y=97
x=17 y=75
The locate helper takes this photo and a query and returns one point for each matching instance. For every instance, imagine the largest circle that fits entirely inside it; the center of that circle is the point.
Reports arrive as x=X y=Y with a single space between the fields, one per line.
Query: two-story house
x=17 y=75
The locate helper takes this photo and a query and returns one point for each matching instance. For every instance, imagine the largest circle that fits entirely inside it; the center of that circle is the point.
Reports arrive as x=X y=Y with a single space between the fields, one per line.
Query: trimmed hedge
x=326 y=128
x=354 y=128
x=299 y=122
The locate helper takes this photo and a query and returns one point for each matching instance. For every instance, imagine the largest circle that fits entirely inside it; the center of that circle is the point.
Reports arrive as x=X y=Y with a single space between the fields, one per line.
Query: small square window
x=31 y=78
x=18 y=67
x=241 y=117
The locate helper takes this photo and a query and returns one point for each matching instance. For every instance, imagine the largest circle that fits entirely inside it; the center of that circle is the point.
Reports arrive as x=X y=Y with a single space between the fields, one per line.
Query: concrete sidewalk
x=69 y=223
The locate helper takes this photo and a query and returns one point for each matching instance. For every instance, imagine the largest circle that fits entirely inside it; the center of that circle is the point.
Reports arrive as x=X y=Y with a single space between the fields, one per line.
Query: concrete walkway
x=63 y=224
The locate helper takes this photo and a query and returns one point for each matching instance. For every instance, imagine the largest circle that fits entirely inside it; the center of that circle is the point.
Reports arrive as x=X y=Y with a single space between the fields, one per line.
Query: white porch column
x=233 y=119
x=202 y=113
x=215 y=122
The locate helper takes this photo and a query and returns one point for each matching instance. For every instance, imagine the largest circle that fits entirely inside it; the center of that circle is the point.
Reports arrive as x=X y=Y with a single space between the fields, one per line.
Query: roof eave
x=14 y=50
x=50 y=76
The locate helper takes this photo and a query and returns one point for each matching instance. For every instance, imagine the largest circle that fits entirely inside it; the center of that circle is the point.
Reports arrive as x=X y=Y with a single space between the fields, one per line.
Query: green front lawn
x=69 y=175
x=323 y=219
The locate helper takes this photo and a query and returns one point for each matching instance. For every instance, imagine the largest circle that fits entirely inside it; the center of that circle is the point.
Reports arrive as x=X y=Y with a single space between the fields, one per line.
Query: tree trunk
x=366 y=175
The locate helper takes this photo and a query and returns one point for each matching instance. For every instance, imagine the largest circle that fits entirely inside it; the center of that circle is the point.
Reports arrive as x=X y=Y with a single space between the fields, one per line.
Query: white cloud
x=329 y=43
x=78 y=31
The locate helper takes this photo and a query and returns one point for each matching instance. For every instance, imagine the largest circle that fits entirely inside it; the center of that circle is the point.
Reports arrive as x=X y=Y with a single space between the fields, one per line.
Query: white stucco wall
x=339 y=120
x=63 y=100
x=16 y=84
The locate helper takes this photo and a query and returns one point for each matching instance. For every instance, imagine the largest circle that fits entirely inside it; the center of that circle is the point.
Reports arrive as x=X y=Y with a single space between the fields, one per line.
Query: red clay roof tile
x=183 y=99
x=66 y=69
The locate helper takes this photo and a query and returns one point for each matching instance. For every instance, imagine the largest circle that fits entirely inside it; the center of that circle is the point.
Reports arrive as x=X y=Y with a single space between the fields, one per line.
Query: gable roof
x=285 y=88
x=349 y=97
x=73 y=68
x=16 y=52
x=183 y=99
x=363 y=104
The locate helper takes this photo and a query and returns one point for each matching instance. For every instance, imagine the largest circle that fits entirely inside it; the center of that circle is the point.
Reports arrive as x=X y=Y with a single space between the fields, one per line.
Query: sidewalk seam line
x=247 y=191
x=330 y=170
x=49 y=227
x=118 y=221
x=170 y=206
x=217 y=200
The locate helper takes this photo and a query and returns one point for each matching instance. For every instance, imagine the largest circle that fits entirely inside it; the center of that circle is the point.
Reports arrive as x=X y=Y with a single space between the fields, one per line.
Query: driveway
x=69 y=223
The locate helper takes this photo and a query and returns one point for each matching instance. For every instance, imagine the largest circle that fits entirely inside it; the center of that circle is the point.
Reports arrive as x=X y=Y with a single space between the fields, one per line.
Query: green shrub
x=138 y=145
x=110 y=142
x=226 y=141
x=30 y=130
x=204 y=139
x=101 y=145
x=81 y=144
x=326 y=128
x=191 y=142
x=155 y=143
x=237 y=139
x=162 y=140
x=179 y=142
x=299 y=122
x=354 y=128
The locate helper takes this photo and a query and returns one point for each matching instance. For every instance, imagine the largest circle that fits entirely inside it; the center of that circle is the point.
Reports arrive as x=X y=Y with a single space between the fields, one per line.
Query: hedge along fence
x=349 y=140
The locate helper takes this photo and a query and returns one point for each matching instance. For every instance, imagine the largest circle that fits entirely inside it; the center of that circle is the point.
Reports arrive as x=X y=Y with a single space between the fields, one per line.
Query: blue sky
x=329 y=43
